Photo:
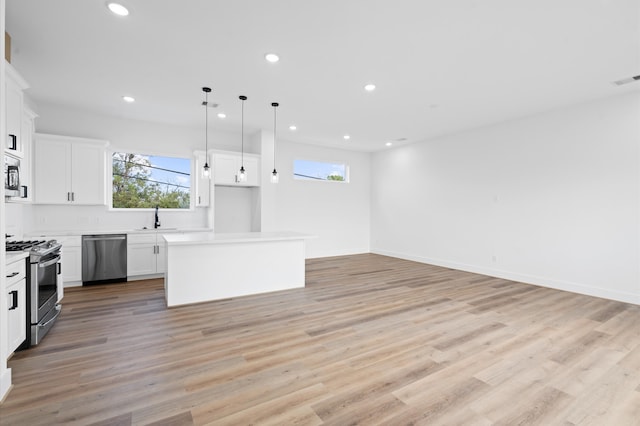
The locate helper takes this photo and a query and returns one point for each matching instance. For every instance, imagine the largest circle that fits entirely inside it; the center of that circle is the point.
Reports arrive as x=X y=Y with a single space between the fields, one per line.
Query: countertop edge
x=13 y=257
x=212 y=238
x=79 y=233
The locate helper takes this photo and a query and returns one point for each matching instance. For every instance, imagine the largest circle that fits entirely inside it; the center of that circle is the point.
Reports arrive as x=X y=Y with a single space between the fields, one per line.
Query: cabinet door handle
x=13 y=144
x=199 y=202
x=13 y=274
x=73 y=196
x=68 y=196
x=14 y=299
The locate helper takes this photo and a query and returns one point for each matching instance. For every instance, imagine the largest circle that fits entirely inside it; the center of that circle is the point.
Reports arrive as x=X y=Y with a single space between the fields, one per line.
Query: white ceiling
x=440 y=66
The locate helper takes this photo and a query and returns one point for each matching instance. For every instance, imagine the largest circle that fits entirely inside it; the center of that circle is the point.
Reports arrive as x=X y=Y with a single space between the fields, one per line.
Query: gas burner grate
x=22 y=245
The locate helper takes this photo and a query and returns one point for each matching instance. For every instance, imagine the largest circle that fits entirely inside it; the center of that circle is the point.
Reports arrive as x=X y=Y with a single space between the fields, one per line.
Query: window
x=146 y=181
x=316 y=170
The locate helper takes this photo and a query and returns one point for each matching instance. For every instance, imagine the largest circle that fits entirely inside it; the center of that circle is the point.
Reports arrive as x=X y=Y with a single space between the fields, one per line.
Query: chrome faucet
x=156 y=224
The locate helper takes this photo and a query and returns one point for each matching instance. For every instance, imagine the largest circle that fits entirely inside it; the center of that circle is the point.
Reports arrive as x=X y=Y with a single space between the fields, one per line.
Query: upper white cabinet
x=69 y=170
x=14 y=85
x=226 y=167
x=26 y=169
x=202 y=184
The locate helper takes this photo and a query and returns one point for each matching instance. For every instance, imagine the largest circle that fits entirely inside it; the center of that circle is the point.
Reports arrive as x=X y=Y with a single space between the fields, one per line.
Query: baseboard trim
x=572 y=287
x=5 y=384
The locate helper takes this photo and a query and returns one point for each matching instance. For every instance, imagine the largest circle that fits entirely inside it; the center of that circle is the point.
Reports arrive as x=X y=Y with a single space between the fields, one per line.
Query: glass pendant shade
x=274 y=176
x=242 y=176
x=206 y=171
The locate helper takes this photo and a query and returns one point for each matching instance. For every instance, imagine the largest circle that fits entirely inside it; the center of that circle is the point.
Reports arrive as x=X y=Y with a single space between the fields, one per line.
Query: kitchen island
x=208 y=266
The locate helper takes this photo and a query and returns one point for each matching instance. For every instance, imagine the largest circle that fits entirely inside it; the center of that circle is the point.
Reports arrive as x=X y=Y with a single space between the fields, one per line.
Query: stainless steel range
x=43 y=283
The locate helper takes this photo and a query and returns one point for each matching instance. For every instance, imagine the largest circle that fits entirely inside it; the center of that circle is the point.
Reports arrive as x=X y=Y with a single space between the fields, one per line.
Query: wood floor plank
x=369 y=340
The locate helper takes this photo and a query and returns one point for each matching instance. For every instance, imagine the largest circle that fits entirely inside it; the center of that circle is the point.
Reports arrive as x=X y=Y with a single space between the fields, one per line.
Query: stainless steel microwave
x=11 y=177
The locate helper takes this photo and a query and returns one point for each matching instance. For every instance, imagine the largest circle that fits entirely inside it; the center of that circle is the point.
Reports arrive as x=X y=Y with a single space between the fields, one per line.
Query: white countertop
x=13 y=257
x=231 y=238
x=78 y=232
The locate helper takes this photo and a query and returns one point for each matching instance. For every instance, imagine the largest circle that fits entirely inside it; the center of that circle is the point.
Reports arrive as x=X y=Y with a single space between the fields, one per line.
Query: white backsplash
x=50 y=218
x=15 y=214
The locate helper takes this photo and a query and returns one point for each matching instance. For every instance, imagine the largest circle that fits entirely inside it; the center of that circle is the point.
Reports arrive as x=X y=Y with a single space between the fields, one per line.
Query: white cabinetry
x=227 y=166
x=14 y=85
x=26 y=164
x=145 y=254
x=69 y=170
x=202 y=184
x=71 y=259
x=16 y=305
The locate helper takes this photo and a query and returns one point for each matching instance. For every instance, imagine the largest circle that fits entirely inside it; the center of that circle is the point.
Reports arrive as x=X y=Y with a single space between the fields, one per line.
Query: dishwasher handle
x=117 y=237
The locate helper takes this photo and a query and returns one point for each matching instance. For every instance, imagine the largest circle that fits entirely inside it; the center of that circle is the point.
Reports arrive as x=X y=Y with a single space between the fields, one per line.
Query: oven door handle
x=57 y=308
x=49 y=263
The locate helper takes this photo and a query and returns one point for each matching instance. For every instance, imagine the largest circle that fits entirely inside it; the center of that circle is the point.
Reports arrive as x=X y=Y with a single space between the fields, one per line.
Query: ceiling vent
x=211 y=104
x=626 y=80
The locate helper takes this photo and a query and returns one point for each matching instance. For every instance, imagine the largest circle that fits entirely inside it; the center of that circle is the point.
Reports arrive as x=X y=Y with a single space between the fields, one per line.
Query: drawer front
x=141 y=238
x=15 y=272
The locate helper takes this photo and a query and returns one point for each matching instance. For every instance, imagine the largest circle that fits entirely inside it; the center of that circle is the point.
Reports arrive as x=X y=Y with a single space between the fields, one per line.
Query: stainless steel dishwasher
x=104 y=258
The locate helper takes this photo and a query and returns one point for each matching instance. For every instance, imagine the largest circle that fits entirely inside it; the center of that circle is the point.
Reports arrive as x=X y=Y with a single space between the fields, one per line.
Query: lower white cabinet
x=16 y=305
x=145 y=254
x=71 y=259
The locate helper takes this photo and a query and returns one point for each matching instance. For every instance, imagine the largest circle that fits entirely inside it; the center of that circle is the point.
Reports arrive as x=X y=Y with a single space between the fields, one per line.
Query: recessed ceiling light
x=346 y=137
x=293 y=127
x=370 y=87
x=118 y=9
x=388 y=143
x=128 y=99
x=272 y=57
x=222 y=115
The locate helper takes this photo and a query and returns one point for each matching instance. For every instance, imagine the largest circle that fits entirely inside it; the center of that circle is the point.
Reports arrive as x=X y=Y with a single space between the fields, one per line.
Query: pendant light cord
x=206 y=124
x=275 y=107
x=242 y=131
x=206 y=91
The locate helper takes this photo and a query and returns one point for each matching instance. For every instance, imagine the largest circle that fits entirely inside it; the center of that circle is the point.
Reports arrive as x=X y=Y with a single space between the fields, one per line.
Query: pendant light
x=242 y=176
x=206 y=170
x=274 y=175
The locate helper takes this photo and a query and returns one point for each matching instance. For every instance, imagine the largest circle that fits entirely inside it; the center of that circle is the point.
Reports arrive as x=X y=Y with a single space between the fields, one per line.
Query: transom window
x=317 y=170
x=147 y=181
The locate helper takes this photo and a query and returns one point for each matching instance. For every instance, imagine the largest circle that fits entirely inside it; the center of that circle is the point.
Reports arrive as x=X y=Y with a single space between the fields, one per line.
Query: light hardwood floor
x=370 y=340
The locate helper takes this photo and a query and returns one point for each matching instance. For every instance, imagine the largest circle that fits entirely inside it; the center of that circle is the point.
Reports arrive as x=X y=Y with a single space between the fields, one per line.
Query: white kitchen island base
x=208 y=266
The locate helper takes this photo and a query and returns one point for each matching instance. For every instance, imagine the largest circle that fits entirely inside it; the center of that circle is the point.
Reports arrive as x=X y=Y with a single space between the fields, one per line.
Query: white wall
x=139 y=136
x=338 y=213
x=235 y=209
x=154 y=138
x=551 y=199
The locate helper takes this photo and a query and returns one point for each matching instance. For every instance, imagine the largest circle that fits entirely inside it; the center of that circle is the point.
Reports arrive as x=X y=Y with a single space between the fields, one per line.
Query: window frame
x=192 y=184
x=347 y=171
